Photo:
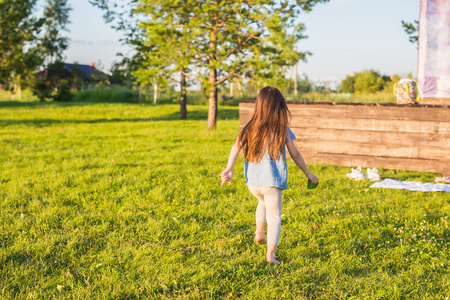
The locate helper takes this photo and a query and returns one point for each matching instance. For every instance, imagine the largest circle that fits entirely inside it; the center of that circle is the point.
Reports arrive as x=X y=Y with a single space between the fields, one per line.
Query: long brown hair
x=267 y=128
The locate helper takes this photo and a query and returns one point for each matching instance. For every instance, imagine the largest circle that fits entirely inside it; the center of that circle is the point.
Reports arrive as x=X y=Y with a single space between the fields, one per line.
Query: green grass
x=121 y=201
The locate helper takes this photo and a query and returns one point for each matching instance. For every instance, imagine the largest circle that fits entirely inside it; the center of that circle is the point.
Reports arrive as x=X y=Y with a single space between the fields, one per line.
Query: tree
x=305 y=85
x=243 y=39
x=139 y=67
x=412 y=29
x=53 y=44
x=367 y=81
x=19 y=55
x=167 y=44
x=348 y=84
x=158 y=37
x=214 y=41
x=277 y=54
x=41 y=89
x=228 y=39
x=121 y=73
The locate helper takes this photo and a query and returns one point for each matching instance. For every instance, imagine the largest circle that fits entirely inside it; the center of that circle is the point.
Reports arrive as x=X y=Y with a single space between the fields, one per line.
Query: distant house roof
x=86 y=71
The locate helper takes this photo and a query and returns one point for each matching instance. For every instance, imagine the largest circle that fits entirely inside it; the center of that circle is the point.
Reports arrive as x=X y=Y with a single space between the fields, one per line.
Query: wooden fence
x=402 y=137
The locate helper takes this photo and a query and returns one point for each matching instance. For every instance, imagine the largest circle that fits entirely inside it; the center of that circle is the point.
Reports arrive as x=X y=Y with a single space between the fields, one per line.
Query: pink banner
x=433 y=74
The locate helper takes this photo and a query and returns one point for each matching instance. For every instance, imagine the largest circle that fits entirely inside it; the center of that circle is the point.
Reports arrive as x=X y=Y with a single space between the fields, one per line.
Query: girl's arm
x=300 y=162
x=227 y=174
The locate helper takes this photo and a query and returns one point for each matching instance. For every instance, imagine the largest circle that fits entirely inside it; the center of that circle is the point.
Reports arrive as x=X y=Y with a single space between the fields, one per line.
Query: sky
x=344 y=36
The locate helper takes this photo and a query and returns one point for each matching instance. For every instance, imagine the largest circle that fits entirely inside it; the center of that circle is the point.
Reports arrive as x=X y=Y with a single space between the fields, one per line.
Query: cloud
x=109 y=43
x=98 y=43
x=82 y=42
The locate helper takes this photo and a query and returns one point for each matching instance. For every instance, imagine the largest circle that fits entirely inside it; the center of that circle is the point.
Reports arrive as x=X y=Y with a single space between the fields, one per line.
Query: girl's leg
x=260 y=238
x=273 y=202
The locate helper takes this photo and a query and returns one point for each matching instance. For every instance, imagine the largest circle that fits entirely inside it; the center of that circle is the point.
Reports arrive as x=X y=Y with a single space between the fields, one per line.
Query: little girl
x=263 y=140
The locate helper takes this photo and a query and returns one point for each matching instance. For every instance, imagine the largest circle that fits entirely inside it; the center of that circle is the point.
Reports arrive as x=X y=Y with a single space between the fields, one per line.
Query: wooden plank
x=424 y=113
x=372 y=125
x=382 y=150
x=374 y=137
x=372 y=112
x=421 y=165
x=366 y=104
x=439 y=101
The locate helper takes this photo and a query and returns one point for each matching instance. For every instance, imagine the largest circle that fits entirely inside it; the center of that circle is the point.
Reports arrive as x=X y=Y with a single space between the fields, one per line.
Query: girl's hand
x=226 y=175
x=313 y=178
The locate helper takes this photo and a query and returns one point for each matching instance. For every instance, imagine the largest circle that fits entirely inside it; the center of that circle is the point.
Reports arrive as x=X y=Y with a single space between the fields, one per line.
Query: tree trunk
x=155 y=93
x=140 y=94
x=19 y=88
x=231 y=89
x=183 y=97
x=212 y=110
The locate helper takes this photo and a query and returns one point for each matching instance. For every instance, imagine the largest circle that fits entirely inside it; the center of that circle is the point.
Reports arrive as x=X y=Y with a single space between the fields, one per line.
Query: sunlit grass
x=121 y=201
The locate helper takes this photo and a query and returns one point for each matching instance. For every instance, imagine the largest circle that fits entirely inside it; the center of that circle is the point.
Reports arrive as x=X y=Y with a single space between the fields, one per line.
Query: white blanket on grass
x=412 y=185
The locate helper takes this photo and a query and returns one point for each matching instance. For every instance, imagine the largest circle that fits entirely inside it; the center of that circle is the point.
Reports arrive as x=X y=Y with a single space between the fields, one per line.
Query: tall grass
x=115 y=94
x=118 y=94
x=122 y=201
x=379 y=97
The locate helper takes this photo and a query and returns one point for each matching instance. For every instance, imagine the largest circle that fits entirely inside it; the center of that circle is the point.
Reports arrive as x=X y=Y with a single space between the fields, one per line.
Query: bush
x=42 y=89
x=367 y=81
x=63 y=92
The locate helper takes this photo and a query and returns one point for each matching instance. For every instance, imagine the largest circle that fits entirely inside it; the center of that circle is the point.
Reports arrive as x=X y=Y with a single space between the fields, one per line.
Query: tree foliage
x=348 y=84
x=19 y=56
x=412 y=29
x=367 y=81
x=53 y=43
x=305 y=85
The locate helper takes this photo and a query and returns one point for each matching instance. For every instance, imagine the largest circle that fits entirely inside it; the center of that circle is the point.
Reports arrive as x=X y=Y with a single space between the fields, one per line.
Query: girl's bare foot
x=260 y=239
x=271 y=259
x=271 y=251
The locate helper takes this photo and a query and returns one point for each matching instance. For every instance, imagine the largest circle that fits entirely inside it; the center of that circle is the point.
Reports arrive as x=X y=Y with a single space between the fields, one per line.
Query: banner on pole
x=433 y=72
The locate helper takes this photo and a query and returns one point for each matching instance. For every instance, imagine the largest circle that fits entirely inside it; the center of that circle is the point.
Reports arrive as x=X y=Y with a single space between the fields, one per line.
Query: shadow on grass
x=12 y=103
x=202 y=115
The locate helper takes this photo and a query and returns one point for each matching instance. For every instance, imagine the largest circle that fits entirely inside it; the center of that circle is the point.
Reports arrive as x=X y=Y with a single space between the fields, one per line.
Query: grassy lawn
x=121 y=201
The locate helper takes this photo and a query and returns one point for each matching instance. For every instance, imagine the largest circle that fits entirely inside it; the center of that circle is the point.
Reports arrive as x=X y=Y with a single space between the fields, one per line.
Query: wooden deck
x=402 y=137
